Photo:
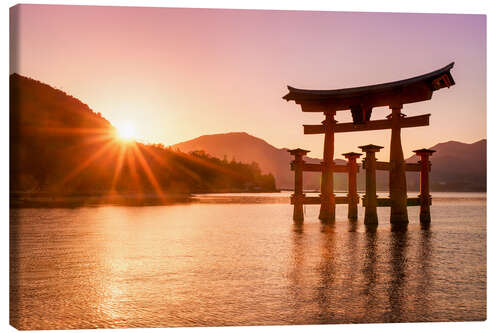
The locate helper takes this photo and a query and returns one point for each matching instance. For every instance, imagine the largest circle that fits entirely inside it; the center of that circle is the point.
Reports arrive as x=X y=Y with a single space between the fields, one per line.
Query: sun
x=125 y=131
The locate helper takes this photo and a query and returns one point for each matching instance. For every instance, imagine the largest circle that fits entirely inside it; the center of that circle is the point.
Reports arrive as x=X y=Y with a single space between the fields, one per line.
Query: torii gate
x=360 y=101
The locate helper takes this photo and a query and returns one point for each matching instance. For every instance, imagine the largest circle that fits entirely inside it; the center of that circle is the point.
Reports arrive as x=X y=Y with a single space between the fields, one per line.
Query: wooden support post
x=298 y=196
x=425 y=197
x=397 y=172
x=370 y=198
x=327 y=209
x=353 y=193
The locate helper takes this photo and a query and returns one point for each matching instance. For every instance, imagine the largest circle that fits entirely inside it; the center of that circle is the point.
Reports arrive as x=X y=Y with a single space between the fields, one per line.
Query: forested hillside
x=58 y=145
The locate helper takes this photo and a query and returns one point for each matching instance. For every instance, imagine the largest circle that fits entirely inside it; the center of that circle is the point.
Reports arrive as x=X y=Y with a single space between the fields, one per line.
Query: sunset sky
x=176 y=74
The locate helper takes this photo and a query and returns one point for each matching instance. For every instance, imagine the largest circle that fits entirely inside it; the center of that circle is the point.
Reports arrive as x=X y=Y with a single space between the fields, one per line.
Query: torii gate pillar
x=370 y=199
x=352 y=196
x=397 y=172
x=327 y=209
x=298 y=194
x=425 y=197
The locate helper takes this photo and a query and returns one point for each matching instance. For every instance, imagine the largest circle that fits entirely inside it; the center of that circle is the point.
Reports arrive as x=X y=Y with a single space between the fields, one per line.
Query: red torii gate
x=360 y=101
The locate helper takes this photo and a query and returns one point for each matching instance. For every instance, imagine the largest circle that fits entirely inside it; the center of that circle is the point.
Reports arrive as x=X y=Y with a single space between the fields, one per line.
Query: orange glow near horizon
x=125 y=131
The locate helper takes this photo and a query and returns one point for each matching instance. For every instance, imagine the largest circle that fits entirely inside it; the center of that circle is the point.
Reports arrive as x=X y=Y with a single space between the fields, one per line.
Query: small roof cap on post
x=424 y=151
x=298 y=151
x=370 y=147
x=352 y=154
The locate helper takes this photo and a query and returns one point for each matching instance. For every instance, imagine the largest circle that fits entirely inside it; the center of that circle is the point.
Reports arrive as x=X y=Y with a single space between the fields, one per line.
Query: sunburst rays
x=132 y=163
x=87 y=162
x=118 y=167
x=147 y=170
x=120 y=154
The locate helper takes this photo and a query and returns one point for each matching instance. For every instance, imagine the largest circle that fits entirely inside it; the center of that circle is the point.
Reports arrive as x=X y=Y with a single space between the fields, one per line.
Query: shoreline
x=47 y=200
x=81 y=200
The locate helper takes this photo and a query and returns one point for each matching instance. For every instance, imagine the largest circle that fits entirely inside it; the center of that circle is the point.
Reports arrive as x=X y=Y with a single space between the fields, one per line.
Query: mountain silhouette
x=59 y=147
x=456 y=166
x=246 y=148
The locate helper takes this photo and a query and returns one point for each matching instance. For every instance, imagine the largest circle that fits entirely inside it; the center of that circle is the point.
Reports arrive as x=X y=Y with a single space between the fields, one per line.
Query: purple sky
x=180 y=73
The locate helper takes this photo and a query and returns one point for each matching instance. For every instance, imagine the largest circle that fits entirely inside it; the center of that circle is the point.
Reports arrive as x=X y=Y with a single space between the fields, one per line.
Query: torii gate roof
x=415 y=89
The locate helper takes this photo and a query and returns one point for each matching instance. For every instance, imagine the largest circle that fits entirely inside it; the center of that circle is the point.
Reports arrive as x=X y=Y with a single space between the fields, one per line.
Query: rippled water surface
x=239 y=260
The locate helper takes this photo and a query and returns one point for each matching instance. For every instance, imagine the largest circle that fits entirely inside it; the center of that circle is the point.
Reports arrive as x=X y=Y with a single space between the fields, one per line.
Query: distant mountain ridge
x=246 y=148
x=456 y=166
